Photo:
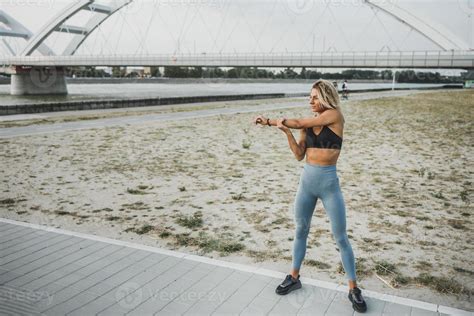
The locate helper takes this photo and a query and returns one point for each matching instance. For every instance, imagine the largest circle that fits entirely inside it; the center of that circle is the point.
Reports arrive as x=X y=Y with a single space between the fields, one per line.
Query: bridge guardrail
x=415 y=59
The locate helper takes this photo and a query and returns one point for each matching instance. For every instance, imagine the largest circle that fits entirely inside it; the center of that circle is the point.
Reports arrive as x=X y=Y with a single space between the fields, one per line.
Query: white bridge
x=425 y=59
x=452 y=53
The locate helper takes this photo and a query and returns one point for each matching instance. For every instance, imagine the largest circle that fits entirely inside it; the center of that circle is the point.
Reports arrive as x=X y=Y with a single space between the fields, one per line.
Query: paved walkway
x=140 y=119
x=48 y=271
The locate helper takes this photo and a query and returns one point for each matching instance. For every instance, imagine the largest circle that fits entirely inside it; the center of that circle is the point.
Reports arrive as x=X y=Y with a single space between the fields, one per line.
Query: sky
x=254 y=26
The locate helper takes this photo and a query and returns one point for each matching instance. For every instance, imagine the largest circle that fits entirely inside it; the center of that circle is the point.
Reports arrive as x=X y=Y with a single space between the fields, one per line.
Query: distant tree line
x=86 y=72
x=404 y=76
x=409 y=76
x=256 y=73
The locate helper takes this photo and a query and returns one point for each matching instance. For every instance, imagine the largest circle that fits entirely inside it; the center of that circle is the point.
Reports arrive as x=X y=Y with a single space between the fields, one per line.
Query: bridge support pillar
x=38 y=80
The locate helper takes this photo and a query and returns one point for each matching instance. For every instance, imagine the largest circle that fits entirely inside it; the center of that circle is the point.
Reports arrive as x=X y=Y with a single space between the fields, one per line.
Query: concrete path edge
x=247 y=268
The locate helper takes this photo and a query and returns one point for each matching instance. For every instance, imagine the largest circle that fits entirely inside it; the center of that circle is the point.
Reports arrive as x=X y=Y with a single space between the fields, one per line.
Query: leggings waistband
x=321 y=167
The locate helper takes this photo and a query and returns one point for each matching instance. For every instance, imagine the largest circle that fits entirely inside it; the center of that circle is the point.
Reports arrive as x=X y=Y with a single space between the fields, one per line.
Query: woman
x=321 y=142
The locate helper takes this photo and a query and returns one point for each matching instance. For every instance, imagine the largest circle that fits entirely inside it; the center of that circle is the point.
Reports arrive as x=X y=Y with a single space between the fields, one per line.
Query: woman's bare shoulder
x=337 y=113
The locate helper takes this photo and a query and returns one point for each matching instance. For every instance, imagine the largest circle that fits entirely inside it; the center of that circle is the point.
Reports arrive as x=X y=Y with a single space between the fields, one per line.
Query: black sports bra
x=326 y=139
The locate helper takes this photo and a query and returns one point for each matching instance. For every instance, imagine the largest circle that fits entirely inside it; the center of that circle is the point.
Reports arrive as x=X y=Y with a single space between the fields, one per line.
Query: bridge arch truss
x=436 y=33
x=79 y=33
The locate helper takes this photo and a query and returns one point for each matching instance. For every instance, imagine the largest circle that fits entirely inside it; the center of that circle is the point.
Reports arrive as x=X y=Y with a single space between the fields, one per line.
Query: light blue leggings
x=321 y=182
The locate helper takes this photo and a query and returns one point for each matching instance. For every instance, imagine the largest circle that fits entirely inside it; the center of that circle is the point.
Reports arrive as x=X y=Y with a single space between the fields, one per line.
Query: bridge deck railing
x=391 y=59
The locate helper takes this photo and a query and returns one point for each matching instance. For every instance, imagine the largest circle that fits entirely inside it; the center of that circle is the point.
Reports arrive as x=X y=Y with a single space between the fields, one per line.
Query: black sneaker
x=358 y=303
x=288 y=285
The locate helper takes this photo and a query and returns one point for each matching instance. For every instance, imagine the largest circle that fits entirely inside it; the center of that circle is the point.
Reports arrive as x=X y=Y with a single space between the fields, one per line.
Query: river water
x=99 y=91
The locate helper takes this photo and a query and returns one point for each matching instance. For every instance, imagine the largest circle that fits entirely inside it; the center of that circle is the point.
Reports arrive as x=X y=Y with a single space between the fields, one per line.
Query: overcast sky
x=197 y=26
x=166 y=26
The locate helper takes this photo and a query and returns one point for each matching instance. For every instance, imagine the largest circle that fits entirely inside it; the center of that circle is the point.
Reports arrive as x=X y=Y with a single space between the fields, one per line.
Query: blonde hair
x=327 y=94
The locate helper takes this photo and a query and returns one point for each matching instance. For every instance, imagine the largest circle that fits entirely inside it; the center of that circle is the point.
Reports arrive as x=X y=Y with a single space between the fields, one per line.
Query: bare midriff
x=324 y=156
x=321 y=156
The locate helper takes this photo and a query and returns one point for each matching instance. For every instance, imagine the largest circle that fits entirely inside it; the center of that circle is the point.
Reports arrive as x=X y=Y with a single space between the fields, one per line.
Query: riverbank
x=69 y=120
x=5 y=80
x=222 y=187
x=94 y=104
x=125 y=103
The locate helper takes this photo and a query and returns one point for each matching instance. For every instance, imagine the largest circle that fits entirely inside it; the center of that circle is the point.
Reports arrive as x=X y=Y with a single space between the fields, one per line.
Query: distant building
x=107 y=70
x=142 y=72
x=147 y=72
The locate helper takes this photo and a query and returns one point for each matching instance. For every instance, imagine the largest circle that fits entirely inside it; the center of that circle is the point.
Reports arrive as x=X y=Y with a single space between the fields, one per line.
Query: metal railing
x=392 y=59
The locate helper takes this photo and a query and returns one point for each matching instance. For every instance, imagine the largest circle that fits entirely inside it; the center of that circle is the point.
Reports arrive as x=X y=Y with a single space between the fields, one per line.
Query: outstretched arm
x=326 y=118
x=298 y=149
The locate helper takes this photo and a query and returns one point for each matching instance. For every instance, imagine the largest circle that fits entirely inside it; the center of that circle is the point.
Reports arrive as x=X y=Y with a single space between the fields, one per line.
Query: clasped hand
x=262 y=120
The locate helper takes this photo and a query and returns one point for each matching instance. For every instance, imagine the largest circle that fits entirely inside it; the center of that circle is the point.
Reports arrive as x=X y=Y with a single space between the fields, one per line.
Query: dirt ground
x=224 y=188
